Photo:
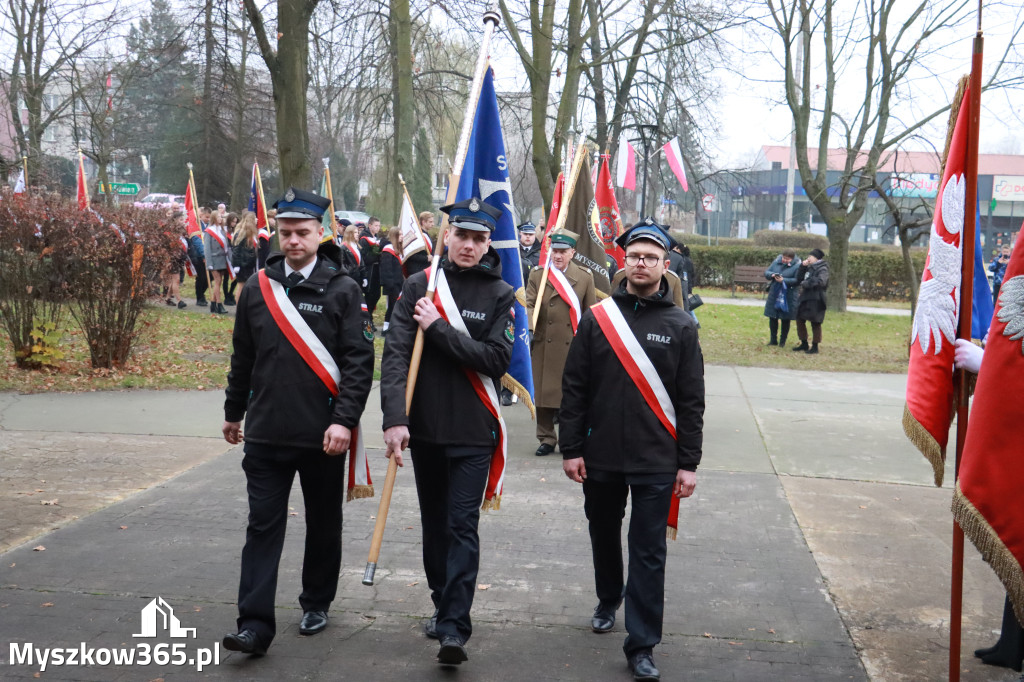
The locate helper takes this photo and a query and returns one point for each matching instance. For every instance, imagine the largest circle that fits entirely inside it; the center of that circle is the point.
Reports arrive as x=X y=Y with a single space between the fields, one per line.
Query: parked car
x=160 y=200
x=352 y=216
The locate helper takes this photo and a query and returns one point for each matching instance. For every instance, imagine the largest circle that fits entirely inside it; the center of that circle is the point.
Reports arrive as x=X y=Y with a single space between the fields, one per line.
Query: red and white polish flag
x=625 y=165
x=675 y=161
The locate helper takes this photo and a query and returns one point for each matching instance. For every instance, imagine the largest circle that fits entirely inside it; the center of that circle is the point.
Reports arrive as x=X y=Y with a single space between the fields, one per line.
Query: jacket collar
x=662 y=298
x=489 y=265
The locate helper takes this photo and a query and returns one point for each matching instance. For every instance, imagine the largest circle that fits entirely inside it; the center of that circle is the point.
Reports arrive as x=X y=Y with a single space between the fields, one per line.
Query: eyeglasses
x=648 y=261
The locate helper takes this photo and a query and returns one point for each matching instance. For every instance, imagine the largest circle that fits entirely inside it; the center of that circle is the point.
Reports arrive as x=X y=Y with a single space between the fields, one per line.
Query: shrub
x=871 y=274
x=30 y=293
x=801 y=241
x=111 y=262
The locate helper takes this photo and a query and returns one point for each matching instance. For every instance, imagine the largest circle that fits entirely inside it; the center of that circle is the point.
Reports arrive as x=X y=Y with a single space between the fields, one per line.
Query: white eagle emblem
x=939 y=298
x=1011 y=308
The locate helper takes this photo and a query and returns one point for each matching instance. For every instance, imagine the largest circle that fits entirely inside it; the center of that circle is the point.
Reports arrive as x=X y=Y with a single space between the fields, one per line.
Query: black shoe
x=1009 y=650
x=182 y=304
x=506 y=397
x=544 y=450
x=202 y=302
x=803 y=346
x=245 y=641
x=773 y=342
x=213 y=307
x=642 y=666
x=221 y=310
x=430 y=627
x=453 y=651
x=813 y=350
x=313 y=622
x=229 y=300
x=604 y=617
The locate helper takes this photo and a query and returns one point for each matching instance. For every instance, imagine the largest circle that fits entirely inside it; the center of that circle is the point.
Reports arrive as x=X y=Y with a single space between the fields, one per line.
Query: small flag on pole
x=625 y=165
x=412 y=239
x=19 y=186
x=675 y=162
x=191 y=206
x=610 y=221
x=257 y=204
x=83 y=188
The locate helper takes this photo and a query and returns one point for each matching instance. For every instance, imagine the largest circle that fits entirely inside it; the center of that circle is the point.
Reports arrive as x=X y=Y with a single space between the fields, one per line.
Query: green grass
x=851 y=342
x=178 y=349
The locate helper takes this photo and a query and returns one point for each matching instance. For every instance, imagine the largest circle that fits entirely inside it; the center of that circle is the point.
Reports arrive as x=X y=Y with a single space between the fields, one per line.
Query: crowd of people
x=302 y=366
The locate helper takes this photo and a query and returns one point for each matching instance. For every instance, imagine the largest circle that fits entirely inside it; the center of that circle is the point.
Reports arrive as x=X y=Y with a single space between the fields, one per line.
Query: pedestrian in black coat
x=813 y=280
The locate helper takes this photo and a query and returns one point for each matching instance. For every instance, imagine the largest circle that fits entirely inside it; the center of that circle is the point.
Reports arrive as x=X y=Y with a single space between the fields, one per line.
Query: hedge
x=871 y=274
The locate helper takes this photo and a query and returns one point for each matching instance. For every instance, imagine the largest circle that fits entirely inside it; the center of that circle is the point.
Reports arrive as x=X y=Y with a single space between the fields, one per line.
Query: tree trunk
x=203 y=161
x=908 y=267
x=838 y=253
x=290 y=81
x=239 y=184
x=597 y=79
x=400 y=28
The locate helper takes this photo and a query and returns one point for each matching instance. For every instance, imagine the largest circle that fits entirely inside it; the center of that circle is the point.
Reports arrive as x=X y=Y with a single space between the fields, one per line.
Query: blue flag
x=982 y=307
x=485 y=175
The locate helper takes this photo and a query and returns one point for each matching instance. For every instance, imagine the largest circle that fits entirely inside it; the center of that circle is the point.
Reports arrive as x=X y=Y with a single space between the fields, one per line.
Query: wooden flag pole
x=490 y=19
x=330 y=195
x=964 y=332
x=577 y=165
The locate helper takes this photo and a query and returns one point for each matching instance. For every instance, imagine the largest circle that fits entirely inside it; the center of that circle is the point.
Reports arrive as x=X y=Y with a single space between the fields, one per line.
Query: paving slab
x=744 y=597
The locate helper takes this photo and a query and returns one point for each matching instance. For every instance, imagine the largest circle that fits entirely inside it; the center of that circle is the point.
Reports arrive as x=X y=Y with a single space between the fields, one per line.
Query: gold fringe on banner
x=992 y=549
x=359 y=492
x=493 y=504
x=924 y=442
x=520 y=392
x=670 y=532
x=521 y=296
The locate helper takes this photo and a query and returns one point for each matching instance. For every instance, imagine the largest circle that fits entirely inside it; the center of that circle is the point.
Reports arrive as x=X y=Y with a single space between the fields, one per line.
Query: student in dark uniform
x=649 y=452
x=454 y=436
x=529 y=249
x=299 y=413
x=370 y=245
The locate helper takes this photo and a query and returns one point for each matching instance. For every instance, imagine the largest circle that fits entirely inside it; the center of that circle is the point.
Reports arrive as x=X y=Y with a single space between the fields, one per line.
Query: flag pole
x=490 y=20
x=577 y=166
x=964 y=332
x=405 y=191
x=330 y=195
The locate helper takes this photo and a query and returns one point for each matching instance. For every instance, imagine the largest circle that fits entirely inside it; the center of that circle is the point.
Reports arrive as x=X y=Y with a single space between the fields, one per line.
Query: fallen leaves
x=414 y=583
x=38 y=548
x=46 y=605
x=50 y=503
x=482 y=586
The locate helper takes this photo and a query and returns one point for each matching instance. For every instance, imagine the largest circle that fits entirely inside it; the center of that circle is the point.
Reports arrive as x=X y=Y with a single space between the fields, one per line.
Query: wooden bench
x=747 y=274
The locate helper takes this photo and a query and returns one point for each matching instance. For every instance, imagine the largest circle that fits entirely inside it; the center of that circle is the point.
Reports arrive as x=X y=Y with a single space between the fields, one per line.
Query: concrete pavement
x=809 y=498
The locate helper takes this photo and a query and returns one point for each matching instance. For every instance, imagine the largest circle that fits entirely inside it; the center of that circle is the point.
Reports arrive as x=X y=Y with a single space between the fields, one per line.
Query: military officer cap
x=472 y=214
x=564 y=239
x=528 y=228
x=298 y=203
x=649 y=230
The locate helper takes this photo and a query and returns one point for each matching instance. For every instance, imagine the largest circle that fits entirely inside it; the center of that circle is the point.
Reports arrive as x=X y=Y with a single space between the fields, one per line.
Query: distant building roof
x=903 y=162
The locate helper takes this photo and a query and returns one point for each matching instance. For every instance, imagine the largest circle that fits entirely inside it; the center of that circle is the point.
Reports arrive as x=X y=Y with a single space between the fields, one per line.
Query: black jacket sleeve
x=354 y=354
x=491 y=355
x=689 y=402
x=243 y=356
x=576 y=391
x=394 y=366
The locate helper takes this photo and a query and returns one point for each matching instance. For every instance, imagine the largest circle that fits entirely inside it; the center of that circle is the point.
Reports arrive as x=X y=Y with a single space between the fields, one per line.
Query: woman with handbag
x=781 y=303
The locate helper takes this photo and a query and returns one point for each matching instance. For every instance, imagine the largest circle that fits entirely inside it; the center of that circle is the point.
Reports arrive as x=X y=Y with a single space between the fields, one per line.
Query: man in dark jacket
x=300 y=410
x=648 y=452
x=813 y=280
x=529 y=249
x=370 y=246
x=455 y=434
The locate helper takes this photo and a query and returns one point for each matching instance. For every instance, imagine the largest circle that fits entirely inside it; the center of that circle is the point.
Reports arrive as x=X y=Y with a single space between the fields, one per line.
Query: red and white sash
x=354 y=250
x=560 y=283
x=189 y=268
x=641 y=370
x=319 y=359
x=265 y=233
x=483 y=385
x=390 y=248
x=215 y=233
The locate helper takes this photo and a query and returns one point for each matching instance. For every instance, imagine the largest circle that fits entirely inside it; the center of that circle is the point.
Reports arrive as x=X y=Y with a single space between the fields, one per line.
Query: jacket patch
x=659 y=338
x=510 y=330
x=471 y=315
x=368 y=330
x=310 y=307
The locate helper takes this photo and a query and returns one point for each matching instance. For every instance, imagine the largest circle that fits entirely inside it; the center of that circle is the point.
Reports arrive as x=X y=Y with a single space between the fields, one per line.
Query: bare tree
x=890 y=44
x=289 y=74
x=47 y=39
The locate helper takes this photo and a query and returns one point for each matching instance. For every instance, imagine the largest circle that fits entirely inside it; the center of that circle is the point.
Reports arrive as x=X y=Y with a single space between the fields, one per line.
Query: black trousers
x=372 y=290
x=605 y=506
x=202 y=281
x=269 y=473
x=450 y=483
